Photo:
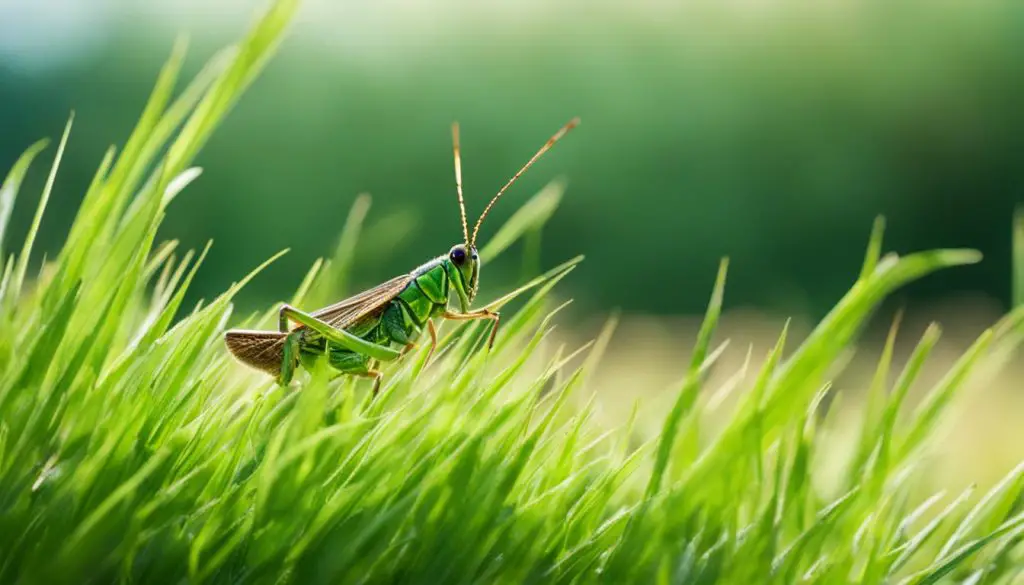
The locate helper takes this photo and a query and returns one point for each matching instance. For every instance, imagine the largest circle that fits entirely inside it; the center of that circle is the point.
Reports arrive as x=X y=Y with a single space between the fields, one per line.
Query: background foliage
x=772 y=132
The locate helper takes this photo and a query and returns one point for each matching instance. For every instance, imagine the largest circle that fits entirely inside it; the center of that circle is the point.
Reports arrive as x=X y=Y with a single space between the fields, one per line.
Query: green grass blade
x=995 y=505
x=908 y=550
x=554 y=274
x=26 y=250
x=937 y=401
x=12 y=184
x=874 y=251
x=687 y=395
x=252 y=54
x=1010 y=529
x=875 y=407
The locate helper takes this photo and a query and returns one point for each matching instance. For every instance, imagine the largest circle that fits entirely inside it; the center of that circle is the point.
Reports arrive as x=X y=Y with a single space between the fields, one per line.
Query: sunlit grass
x=133 y=449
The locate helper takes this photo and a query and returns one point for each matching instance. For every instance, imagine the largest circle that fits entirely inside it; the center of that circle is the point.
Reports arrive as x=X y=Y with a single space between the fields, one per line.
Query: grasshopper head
x=466 y=262
x=464 y=257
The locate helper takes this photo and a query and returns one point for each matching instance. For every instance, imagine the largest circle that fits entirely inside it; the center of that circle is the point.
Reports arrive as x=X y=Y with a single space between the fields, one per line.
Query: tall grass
x=133 y=449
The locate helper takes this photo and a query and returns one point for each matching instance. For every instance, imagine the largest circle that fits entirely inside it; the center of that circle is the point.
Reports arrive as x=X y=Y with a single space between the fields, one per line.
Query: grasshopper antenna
x=458 y=180
x=547 y=145
x=551 y=141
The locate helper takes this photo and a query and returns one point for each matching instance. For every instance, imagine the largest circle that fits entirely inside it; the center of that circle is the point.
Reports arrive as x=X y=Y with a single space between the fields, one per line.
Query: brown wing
x=262 y=350
x=344 y=313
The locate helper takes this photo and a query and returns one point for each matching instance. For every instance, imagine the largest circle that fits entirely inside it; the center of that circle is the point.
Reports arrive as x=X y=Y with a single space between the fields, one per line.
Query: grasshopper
x=383 y=323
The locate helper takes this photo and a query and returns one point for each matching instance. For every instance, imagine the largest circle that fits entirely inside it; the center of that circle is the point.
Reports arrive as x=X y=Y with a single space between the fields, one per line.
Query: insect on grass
x=381 y=324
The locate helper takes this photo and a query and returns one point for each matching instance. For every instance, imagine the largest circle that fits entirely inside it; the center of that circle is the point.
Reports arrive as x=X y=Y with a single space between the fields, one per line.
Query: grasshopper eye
x=458 y=256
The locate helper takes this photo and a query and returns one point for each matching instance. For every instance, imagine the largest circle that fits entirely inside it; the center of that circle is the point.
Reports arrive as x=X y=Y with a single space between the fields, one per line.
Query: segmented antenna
x=551 y=141
x=458 y=180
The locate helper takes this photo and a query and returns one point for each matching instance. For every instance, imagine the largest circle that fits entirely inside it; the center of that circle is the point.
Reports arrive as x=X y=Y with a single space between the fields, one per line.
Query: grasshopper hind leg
x=289 y=359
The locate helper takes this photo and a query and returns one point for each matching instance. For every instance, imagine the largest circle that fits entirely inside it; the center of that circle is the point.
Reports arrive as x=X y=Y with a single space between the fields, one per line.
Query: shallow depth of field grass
x=134 y=449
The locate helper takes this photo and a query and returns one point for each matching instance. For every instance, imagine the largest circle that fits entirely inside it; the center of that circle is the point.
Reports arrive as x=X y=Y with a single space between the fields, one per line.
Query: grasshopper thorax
x=466 y=262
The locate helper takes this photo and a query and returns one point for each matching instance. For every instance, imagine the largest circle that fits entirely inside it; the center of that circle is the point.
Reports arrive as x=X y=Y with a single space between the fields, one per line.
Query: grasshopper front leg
x=433 y=340
x=289 y=358
x=481 y=314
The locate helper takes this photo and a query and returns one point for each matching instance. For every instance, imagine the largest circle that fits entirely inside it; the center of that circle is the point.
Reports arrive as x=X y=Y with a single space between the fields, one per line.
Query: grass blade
x=12 y=184
x=26 y=250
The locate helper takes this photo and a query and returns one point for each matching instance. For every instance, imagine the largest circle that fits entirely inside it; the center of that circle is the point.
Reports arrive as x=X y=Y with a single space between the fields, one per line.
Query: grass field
x=133 y=449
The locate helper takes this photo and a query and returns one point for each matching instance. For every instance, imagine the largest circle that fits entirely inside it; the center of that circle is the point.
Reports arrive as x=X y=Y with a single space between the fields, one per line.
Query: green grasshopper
x=383 y=323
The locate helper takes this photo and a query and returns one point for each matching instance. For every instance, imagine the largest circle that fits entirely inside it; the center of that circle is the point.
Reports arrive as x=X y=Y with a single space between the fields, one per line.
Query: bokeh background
x=769 y=131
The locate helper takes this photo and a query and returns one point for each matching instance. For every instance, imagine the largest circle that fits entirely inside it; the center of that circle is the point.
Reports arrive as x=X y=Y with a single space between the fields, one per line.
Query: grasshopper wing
x=264 y=350
x=349 y=311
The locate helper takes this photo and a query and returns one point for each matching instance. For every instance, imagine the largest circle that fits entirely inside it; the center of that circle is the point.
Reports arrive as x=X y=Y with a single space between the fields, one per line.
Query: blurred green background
x=769 y=131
